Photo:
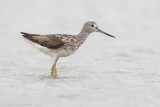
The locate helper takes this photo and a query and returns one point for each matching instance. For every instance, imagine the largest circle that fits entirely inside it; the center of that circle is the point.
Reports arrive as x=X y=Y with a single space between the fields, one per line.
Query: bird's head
x=91 y=26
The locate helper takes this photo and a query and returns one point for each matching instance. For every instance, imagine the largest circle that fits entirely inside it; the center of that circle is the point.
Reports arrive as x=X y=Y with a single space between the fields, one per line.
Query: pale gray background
x=104 y=72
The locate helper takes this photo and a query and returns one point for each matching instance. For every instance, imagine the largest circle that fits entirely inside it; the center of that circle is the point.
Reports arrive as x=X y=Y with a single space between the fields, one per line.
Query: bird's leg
x=54 y=71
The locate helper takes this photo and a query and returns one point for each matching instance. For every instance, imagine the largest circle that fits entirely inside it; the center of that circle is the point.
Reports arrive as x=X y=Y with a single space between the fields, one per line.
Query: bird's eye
x=92 y=25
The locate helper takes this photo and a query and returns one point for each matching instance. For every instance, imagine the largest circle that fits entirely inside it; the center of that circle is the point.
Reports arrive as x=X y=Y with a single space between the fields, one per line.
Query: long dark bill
x=105 y=33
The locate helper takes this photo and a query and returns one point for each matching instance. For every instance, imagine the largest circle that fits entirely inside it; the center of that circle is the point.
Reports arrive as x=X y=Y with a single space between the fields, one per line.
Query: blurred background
x=121 y=72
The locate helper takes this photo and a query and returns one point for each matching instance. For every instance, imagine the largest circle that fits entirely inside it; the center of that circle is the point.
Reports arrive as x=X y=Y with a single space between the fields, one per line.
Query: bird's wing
x=50 y=41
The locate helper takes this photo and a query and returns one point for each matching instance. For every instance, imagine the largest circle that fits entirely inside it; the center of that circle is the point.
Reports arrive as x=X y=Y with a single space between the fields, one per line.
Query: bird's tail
x=27 y=37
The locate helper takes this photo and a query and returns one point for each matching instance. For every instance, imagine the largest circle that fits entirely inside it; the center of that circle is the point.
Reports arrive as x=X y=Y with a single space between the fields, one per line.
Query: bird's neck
x=80 y=39
x=83 y=35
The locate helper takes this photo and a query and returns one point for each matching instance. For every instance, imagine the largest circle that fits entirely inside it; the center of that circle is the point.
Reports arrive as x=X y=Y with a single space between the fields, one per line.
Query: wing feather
x=49 y=41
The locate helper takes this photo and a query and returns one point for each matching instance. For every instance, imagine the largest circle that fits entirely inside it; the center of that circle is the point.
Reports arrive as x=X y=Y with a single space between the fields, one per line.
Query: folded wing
x=49 y=41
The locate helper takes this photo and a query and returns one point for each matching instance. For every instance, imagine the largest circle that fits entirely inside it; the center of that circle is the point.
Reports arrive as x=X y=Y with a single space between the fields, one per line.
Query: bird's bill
x=105 y=33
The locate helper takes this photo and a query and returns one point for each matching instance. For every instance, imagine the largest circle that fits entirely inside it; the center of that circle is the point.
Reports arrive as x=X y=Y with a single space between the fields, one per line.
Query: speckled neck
x=82 y=36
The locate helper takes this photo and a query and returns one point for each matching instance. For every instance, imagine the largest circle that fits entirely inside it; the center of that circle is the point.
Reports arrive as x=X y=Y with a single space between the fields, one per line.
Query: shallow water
x=104 y=72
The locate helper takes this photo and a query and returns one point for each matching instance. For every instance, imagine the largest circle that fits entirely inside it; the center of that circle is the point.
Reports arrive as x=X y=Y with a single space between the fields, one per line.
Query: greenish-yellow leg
x=54 y=70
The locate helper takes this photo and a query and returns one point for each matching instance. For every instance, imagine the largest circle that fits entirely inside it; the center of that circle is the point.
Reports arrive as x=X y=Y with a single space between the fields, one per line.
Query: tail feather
x=28 y=34
x=30 y=37
x=24 y=33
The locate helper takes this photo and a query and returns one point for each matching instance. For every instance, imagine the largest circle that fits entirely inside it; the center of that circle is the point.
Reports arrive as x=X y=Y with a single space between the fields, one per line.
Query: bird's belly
x=68 y=50
x=64 y=53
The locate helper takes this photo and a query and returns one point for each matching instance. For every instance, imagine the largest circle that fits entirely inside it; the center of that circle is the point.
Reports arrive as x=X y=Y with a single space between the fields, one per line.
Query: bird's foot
x=54 y=71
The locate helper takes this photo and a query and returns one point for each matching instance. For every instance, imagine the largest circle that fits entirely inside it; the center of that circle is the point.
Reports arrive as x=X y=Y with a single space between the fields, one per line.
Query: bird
x=61 y=45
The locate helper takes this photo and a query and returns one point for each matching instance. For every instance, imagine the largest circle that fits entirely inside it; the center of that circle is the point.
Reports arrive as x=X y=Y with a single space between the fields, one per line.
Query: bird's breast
x=71 y=47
